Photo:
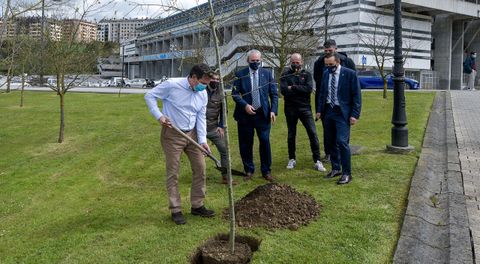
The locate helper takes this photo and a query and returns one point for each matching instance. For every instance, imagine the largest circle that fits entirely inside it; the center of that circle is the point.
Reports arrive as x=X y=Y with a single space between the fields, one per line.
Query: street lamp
x=327 y=7
x=399 y=116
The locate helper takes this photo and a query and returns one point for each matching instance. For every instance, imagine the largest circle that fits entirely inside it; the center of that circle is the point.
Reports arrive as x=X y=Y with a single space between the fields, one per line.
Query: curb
x=435 y=227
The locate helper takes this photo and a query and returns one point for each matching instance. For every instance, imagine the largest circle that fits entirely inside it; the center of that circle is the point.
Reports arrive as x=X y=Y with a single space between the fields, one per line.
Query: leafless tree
x=68 y=56
x=14 y=9
x=380 y=44
x=213 y=25
x=280 y=28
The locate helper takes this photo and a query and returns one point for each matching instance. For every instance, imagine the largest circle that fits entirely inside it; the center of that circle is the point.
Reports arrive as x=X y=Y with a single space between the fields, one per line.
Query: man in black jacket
x=296 y=86
x=330 y=46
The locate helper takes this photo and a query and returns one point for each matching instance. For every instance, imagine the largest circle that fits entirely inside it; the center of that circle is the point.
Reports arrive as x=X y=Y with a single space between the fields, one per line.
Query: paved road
x=90 y=90
x=466 y=114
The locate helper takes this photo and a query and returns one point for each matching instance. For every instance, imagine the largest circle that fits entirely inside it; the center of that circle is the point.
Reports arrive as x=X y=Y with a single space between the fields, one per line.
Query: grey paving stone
x=444 y=200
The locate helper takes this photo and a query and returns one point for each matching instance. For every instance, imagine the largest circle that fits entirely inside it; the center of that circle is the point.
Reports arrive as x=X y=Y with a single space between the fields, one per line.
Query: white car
x=139 y=83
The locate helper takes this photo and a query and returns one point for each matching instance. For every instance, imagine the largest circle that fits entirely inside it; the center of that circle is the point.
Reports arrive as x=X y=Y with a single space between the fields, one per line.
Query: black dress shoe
x=178 y=218
x=202 y=211
x=345 y=179
x=333 y=173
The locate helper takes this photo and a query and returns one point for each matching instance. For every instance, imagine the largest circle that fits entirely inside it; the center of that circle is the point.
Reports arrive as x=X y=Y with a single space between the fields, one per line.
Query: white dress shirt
x=184 y=107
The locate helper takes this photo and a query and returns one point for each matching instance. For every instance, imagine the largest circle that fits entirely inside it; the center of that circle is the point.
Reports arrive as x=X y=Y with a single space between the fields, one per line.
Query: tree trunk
x=9 y=79
x=385 y=87
x=62 y=117
x=231 y=205
x=23 y=88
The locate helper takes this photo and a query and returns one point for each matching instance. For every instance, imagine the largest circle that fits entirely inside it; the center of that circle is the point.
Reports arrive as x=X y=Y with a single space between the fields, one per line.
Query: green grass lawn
x=100 y=197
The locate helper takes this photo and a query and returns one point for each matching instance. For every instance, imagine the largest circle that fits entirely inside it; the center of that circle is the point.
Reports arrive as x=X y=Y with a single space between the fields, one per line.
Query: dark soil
x=275 y=205
x=216 y=250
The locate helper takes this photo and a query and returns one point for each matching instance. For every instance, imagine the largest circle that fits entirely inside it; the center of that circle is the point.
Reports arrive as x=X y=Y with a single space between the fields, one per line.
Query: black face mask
x=295 y=67
x=214 y=85
x=332 y=69
x=254 y=65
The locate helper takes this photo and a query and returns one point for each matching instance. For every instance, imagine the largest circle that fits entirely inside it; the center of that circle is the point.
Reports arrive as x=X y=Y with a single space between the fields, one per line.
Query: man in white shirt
x=184 y=106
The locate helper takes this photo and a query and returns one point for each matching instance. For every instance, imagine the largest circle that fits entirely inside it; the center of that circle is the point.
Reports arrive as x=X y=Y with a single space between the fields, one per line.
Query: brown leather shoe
x=225 y=181
x=268 y=177
x=248 y=177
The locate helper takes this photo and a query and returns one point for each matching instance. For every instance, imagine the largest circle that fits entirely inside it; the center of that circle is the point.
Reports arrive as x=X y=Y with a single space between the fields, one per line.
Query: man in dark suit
x=330 y=46
x=338 y=105
x=255 y=94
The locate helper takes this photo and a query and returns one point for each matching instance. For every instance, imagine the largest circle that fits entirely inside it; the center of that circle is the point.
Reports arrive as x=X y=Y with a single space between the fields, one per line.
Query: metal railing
x=429 y=80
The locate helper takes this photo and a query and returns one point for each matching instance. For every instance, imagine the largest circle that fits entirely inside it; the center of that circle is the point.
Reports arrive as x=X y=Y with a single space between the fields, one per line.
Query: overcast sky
x=115 y=8
x=140 y=8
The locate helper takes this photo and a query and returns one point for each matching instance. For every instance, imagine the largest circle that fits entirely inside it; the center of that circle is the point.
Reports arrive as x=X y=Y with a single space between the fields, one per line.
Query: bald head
x=296 y=61
x=296 y=56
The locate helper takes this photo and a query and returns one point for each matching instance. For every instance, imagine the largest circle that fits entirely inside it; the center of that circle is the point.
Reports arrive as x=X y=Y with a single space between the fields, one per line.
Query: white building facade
x=435 y=34
x=118 y=30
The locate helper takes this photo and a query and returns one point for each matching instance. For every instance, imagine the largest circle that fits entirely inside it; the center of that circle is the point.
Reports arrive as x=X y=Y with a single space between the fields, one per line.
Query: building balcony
x=462 y=8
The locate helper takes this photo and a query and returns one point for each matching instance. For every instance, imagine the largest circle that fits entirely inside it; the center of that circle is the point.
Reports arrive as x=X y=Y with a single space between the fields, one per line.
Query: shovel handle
x=217 y=162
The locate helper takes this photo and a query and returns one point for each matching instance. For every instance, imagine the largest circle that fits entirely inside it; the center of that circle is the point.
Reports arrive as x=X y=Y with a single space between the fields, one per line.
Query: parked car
x=138 y=83
x=149 y=83
x=373 y=80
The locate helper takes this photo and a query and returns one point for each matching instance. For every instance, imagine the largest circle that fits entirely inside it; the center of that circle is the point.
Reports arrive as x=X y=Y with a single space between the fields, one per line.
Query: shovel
x=217 y=162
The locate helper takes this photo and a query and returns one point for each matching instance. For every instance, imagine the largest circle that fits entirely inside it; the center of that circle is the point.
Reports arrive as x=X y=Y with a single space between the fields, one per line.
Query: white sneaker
x=291 y=164
x=319 y=166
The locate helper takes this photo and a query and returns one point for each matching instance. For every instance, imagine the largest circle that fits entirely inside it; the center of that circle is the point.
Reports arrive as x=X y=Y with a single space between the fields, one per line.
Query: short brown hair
x=334 y=54
x=201 y=70
x=330 y=43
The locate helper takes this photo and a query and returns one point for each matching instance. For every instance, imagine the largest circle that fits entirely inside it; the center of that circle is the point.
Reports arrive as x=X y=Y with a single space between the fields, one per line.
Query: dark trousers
x=337 y=138
x=325 y=144
x=305 y=115
x=245 y=139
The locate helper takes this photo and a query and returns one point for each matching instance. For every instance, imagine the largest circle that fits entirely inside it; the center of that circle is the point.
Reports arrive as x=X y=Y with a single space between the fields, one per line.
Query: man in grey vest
x=215 y=127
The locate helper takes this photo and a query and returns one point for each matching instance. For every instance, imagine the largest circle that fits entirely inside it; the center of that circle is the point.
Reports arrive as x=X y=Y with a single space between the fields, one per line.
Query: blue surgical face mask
x=332 y=69
x=200 y=87
x=254 y=65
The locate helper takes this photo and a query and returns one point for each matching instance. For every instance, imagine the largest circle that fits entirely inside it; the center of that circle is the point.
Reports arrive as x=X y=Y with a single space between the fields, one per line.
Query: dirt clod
x=275 y=205
x=218 y=252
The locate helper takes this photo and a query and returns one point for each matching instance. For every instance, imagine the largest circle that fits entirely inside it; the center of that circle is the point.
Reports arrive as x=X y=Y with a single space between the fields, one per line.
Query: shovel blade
x=234 y=172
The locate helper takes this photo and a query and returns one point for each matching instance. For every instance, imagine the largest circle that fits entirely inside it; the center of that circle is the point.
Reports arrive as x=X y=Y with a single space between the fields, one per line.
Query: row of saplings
x=270 y=206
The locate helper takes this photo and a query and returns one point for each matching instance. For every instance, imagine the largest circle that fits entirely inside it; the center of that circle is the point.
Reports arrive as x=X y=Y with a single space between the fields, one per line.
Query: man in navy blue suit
x=255 y=94
x=338 y=105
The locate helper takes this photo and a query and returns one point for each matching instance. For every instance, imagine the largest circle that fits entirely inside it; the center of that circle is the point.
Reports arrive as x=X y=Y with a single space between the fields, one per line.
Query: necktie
x=255 y=92
x=333 y=90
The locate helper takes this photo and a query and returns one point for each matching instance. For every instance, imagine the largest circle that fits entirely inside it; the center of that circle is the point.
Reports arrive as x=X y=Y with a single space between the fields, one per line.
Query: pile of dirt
x=275 y=205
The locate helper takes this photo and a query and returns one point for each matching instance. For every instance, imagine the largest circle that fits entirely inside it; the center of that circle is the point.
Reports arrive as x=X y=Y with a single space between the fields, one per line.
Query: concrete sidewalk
x=442 y=220
x=466 y=114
